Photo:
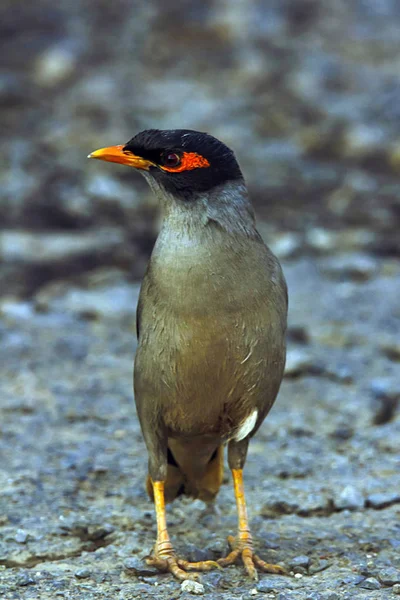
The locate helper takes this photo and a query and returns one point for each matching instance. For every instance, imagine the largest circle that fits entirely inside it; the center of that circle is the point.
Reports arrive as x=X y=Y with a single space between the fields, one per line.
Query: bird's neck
x=223 y=209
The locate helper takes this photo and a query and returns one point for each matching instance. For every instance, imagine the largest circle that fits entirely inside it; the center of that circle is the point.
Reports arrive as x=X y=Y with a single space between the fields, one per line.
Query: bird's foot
x=169 y=563
x=242 y=547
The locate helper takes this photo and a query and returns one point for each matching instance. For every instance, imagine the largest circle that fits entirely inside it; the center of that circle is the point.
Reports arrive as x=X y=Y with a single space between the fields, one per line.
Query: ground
x=306 y=92
x=321 y=477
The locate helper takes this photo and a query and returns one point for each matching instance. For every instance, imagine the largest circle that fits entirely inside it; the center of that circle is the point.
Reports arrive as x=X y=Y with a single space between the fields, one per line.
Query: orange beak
x=116 y=154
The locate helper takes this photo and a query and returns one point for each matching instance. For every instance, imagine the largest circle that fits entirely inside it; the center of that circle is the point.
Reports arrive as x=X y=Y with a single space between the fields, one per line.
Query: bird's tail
x=191 y=475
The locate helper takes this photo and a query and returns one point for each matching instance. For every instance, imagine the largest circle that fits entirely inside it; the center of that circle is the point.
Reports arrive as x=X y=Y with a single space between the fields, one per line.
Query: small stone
x=329 y=595
x=286 y=245
x=313 y=596
x=54 y=66
x=82 y=573
x=396 y=589
x=139 y=567
x=298 y=575
x=352 y=579
x=21 y=536
x=340 y=372
x=192 y=587
x=389 y=576
x=298 y=362
x=195 y=554
x=25 y=579
x=217 y=547
x=386 y=393
x=342 y=432
x=15 y=309
x=253 y=592
x=47 y=248
x=98 y=302
x=298 y=334
x=349 y=498
x=214 y=579
x=300 y=561
x=286 y=596
x=99 y=532
x=318 y=566
x=383 y=500
x=391 y=349
x=272 y=584
x=370 y=584
x=363 y=139
x=357 y=267
x=321 y=239
x=384 y=388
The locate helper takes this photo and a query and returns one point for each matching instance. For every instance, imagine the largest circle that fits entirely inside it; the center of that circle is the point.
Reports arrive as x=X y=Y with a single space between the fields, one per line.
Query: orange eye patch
x=188 y=162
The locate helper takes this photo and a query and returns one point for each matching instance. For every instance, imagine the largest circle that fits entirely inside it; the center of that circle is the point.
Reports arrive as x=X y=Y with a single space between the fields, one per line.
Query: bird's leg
x=242 y=545
x=164 y=557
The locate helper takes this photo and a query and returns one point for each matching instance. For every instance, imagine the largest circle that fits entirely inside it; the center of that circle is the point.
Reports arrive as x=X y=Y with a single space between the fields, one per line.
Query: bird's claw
x=179 y=567
x=244 y=549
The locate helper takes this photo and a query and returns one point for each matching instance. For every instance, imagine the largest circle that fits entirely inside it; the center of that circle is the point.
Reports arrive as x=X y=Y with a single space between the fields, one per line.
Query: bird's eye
x=170 y=159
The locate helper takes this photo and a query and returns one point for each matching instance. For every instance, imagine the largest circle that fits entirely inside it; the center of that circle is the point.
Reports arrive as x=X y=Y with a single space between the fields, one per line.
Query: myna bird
x=211 y=322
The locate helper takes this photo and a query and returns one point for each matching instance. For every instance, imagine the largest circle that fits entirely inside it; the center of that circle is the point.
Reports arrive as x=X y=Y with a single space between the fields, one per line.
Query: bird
x=211 y=326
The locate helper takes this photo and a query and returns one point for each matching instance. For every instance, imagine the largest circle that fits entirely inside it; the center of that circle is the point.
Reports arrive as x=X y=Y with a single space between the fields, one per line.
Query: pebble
x=139 y=567
x=363 y=139
x=389 y=576
x=341 y=372
x=286 y=245
x=214 y=579
x=15 y=309
x=357 y=267
x=98 y=303
x=349 y=498
x=195 y=554
x=391 y=349
x=287 y=596
x=321 y=239
x=298 y=334
x=54 y=66
x=386 y=393
x=298 y=362
x=82 y=573
x=396 y=589
x=382 y=500
x=21 y=536
x=25 y=579
x=300 y=561
x=192 y=587
x=271 y=584
x=370 y=584
x=318 y=566
x=352 y=579
x=31 y=247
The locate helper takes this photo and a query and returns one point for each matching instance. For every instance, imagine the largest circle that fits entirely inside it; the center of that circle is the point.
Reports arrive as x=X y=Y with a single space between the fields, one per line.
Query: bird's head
x=184 y=163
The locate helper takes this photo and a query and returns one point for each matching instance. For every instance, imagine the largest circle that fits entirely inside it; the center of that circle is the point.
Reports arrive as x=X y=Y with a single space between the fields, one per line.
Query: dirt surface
x=322 y=475
x=307 y=94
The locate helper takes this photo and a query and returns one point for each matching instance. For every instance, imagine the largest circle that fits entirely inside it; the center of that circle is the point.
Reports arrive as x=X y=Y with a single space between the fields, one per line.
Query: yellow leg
x=164 y=556
x=242 y=545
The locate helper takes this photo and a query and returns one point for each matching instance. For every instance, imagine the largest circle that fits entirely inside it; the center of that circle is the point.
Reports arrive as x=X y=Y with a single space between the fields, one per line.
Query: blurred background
x=307 y=93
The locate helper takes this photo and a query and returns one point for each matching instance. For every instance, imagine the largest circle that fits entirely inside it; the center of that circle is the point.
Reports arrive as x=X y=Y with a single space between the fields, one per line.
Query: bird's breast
x=210 y=331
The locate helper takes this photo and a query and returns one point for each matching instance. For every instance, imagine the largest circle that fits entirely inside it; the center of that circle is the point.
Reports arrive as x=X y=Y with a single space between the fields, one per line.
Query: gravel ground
x=306 y=92
x=322 y=475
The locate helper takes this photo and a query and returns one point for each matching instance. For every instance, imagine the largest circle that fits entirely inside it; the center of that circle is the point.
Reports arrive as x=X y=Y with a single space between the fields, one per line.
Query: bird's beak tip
x=117 y=154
